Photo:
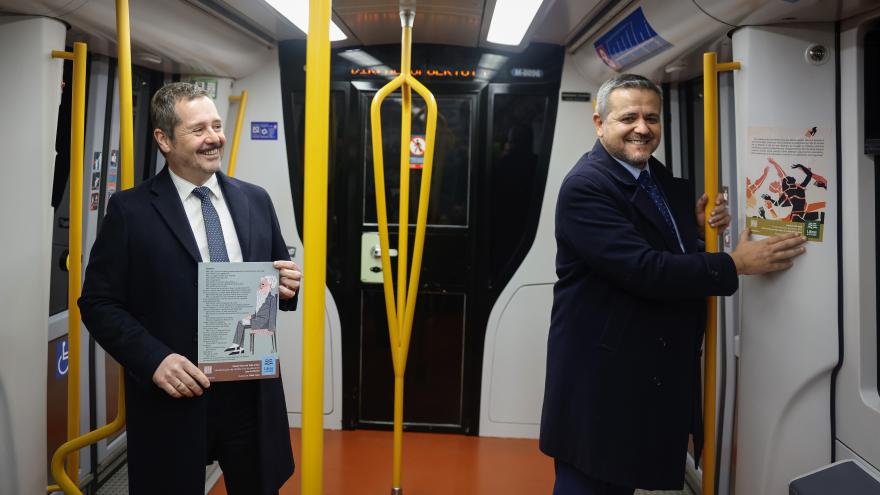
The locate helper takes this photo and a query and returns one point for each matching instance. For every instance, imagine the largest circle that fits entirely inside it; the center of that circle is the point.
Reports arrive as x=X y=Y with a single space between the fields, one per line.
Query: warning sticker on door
x=417 y=151
x=786 y=181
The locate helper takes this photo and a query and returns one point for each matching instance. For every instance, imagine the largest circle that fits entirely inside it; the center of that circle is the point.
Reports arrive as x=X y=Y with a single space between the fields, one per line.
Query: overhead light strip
x=297 y=12
x=510 y=21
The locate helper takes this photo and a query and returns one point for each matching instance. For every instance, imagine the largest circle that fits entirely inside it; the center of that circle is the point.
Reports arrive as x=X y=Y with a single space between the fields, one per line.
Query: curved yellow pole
x=236 y=137
x=710 y=136
x=74 y=260
x=400 y=315
x=315 y=238
x=67 y=480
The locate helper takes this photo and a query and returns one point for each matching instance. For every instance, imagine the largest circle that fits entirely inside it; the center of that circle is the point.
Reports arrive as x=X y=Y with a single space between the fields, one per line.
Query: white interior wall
x=857 y=401
x=515 y=352
x=783 y=426
x=31 y=93
x=264 y=162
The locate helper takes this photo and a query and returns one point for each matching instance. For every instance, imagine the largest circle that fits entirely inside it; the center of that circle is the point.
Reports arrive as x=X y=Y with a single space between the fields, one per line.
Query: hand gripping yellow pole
x=236 y=137
x=400 y=315
x=710 y=135
x=315 y=238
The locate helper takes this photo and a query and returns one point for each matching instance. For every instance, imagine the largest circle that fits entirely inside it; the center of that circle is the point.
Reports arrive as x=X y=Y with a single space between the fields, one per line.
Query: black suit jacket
x=623 y=353
x=139 y=302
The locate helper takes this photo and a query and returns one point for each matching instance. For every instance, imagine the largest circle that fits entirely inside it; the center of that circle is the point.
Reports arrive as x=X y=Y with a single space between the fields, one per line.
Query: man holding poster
x=140 y=301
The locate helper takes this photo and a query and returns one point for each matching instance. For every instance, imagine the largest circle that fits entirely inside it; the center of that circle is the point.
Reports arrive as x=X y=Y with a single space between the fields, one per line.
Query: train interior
x=797 y=354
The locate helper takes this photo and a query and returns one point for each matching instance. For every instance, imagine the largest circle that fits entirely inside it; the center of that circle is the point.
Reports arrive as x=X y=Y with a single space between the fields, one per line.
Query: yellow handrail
x=233 y=151
x=710 y=136
x=315 y=240
x=400 y=316
x=74 y=260
x=67 y=480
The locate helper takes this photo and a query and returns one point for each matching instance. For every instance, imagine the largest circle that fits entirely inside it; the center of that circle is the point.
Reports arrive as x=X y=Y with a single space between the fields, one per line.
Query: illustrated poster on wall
x=786 y=186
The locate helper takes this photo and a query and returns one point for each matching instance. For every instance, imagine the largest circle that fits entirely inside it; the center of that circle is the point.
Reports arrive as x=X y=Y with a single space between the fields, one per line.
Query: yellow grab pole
x=400 y=314
x=126 y=114
x=74 y=260
x=233 y=151
x=710 y=136
x=315 y=240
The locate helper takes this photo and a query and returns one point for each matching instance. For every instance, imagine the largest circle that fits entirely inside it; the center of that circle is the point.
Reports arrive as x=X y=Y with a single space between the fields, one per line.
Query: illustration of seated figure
x=262 y=320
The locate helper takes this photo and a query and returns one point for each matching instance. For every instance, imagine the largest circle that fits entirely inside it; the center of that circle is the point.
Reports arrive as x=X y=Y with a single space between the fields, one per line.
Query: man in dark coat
x=139 y=301
x=622 y=387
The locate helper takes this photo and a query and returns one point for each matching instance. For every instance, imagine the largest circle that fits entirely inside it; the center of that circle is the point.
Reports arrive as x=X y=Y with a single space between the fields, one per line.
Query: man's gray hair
x=273 y=281
x=623 y=81
x=163 y=103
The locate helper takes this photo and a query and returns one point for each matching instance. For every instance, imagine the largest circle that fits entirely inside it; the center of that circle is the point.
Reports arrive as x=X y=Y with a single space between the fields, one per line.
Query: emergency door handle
x=376 y=252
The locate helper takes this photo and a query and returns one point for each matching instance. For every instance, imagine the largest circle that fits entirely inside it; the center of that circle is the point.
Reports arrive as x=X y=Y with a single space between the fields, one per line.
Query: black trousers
x=571 y=481
x=233 y=436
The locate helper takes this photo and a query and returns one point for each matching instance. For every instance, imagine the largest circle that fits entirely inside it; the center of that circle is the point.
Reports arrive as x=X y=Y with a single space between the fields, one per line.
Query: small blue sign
x=264 y=131
x=629 y=42
x=269 y=365
x=61 y=358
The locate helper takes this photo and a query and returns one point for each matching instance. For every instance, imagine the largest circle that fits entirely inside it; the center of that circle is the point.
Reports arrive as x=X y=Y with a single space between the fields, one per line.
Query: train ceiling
x=234 y=37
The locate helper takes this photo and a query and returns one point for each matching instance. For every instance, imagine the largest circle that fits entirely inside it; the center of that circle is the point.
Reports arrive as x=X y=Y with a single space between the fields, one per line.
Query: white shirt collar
x=185 y=187
x=635 y=171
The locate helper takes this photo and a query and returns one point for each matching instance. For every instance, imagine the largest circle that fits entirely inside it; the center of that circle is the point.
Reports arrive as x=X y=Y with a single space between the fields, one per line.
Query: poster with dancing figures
x=238 y=309
x=786 y=187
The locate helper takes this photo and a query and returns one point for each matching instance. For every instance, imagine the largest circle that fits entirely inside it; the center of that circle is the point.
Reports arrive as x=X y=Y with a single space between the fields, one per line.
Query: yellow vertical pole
x=407 y=17
x=710 y=137
x=126 y=114
x=233 y=151
x=315 y=240
x=74 y=260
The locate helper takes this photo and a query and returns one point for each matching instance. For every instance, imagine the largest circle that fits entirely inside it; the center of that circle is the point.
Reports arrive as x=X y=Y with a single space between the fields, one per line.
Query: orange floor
x=359 y=462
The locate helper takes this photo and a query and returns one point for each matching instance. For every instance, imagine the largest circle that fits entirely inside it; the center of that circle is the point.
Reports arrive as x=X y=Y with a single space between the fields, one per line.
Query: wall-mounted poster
x=786 y=187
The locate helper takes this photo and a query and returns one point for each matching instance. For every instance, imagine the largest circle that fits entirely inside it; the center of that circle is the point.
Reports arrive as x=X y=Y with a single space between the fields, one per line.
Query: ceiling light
x=510 y=21
x=360 y=57
x=297 y=12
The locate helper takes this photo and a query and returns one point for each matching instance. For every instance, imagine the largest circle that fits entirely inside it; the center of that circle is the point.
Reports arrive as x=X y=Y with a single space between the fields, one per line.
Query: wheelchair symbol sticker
x=62 y=365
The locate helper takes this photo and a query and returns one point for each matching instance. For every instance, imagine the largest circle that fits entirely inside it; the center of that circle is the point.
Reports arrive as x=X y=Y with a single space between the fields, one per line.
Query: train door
x=435 y=371
x=494 y=131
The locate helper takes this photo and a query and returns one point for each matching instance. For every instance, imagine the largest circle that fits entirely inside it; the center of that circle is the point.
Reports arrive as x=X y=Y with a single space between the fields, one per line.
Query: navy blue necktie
x=648 y=184
x=216 y=244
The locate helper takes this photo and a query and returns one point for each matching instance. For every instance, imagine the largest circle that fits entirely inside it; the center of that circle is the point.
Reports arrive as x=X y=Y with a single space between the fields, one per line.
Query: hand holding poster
x=238 y=308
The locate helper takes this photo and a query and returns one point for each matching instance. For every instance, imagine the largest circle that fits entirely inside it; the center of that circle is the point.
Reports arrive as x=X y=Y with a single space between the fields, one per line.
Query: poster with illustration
x=785 y=186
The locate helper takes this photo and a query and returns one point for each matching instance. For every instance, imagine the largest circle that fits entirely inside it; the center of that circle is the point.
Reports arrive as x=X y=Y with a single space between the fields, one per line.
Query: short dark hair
x=623 y=81
x=162 y=105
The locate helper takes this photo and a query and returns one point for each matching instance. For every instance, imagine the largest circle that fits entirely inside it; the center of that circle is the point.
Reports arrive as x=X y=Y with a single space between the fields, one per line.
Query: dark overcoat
x=622 y=387
x=139 y=301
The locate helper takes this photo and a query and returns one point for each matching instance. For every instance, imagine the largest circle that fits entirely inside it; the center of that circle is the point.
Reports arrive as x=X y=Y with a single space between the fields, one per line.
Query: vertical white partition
x=31 y=82
x=785 y=110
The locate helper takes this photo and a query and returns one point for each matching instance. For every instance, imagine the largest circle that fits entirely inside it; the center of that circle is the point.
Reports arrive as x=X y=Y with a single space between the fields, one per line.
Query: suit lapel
x=167 y=203
x=679 y=197
x=640 y=198
x=239 y=208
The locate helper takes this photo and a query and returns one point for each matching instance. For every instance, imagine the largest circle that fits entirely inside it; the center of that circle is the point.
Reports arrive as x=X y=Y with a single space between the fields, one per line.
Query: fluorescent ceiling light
x=511 y=20
x=360 y=58
x=297 y=12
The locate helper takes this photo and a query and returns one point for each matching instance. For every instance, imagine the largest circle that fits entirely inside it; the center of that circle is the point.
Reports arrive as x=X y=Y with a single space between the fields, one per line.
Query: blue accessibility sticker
x=269 y=363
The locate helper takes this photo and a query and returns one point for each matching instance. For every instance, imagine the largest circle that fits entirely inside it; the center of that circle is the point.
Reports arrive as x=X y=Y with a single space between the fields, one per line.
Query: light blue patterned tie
x=216 y=244
x=648 y=184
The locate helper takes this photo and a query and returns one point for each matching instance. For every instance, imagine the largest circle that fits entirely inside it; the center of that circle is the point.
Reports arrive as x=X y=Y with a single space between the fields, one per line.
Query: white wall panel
x=264 y=162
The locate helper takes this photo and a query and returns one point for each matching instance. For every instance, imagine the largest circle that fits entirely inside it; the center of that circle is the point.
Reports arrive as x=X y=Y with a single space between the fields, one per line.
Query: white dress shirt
x=192 y=205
